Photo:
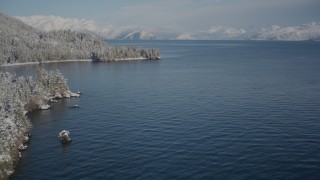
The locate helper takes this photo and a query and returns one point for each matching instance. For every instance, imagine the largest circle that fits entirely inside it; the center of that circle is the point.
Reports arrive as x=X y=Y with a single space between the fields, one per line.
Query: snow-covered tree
x=18 y=95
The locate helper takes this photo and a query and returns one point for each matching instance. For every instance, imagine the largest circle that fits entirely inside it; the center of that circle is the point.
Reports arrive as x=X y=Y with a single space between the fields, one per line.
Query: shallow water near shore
x=207 y=110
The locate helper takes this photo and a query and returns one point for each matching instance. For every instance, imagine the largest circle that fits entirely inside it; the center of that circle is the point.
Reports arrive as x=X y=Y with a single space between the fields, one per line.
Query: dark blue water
x=207 y=110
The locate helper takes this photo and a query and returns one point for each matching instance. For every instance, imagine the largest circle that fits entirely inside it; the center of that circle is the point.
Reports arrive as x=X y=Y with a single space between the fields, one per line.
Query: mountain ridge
x=309 y=31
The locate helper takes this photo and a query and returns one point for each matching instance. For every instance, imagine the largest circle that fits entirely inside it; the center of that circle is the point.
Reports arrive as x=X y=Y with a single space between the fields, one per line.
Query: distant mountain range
x=103 y=31
x=310 y=31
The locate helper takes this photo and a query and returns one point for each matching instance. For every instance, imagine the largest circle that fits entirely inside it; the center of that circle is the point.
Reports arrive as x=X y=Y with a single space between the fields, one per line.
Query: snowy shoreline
x=29 y=95
x=71 y=60
x=10 y=153
x=127 y=59
x=46 y=62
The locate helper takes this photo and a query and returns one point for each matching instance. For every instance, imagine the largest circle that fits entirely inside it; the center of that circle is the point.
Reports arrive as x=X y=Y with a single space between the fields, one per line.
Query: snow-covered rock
x=74 y=95
x=45 y=107
x=53 y=100
x=66 y=96
x=57 y=96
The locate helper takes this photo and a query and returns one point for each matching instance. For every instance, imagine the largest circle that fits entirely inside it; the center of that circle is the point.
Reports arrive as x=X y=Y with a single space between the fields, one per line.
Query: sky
x=187 y=15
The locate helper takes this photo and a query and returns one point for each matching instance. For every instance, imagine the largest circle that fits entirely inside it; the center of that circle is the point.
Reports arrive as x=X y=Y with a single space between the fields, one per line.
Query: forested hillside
x=19 y=95
x=21 y=43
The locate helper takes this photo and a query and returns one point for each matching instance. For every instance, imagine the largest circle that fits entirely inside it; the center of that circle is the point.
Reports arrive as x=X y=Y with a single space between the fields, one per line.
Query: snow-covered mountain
x=310 y=31
x=48 y=23
x=142 y=35
x=101 y=30
x=185 y=36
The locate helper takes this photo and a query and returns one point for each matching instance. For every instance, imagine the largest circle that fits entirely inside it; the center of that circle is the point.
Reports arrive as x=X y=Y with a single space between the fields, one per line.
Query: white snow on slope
x=108 y=31
x=294 y=33
x=310 y=31
x=48 y=23
x=185 y=36
x=101 y=30
x=143 y=35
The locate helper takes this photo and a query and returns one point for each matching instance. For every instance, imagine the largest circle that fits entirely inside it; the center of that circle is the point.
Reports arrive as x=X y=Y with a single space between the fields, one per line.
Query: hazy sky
x=179 y=14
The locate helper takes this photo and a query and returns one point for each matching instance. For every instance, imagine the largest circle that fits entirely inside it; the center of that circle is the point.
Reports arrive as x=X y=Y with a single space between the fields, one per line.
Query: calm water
x=207 y=110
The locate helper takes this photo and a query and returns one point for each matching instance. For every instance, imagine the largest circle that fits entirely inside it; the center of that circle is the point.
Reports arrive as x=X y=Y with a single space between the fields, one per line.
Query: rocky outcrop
x=64 y=137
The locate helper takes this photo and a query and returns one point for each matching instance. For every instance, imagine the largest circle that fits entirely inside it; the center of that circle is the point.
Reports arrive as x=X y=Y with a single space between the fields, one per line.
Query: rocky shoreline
x=19 y=95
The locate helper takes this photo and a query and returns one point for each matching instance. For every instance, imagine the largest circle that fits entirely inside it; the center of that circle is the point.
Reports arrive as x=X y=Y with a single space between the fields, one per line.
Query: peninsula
x=21 y=43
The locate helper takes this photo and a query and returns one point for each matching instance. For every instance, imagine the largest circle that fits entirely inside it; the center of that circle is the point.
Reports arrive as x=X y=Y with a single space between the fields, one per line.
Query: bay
x=207 y=110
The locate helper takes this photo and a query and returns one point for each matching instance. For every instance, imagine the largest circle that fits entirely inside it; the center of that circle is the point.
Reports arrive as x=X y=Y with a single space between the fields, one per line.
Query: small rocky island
x=19 y=95
x=64 y=137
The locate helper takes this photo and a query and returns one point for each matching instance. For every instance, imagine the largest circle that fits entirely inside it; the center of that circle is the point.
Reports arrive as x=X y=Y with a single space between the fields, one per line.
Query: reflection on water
x=65 y=148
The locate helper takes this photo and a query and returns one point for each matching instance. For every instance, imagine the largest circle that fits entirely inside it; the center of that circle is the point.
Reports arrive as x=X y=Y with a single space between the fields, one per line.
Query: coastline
x=72 y=60
x=9 y=160
x=15 y=125
x=12 y=157
x=131 y=59
x=46 y=62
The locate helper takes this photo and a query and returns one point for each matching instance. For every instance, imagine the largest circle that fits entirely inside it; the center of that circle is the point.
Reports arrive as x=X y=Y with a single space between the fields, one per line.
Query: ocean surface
x=207 y=110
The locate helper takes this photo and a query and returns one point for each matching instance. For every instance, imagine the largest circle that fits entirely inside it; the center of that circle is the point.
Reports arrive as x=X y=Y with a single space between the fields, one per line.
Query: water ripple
x=206 y=111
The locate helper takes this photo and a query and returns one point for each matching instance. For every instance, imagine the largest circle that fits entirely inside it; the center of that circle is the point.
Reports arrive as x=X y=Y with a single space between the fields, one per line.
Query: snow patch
x=185 y=36
x=45 y=107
